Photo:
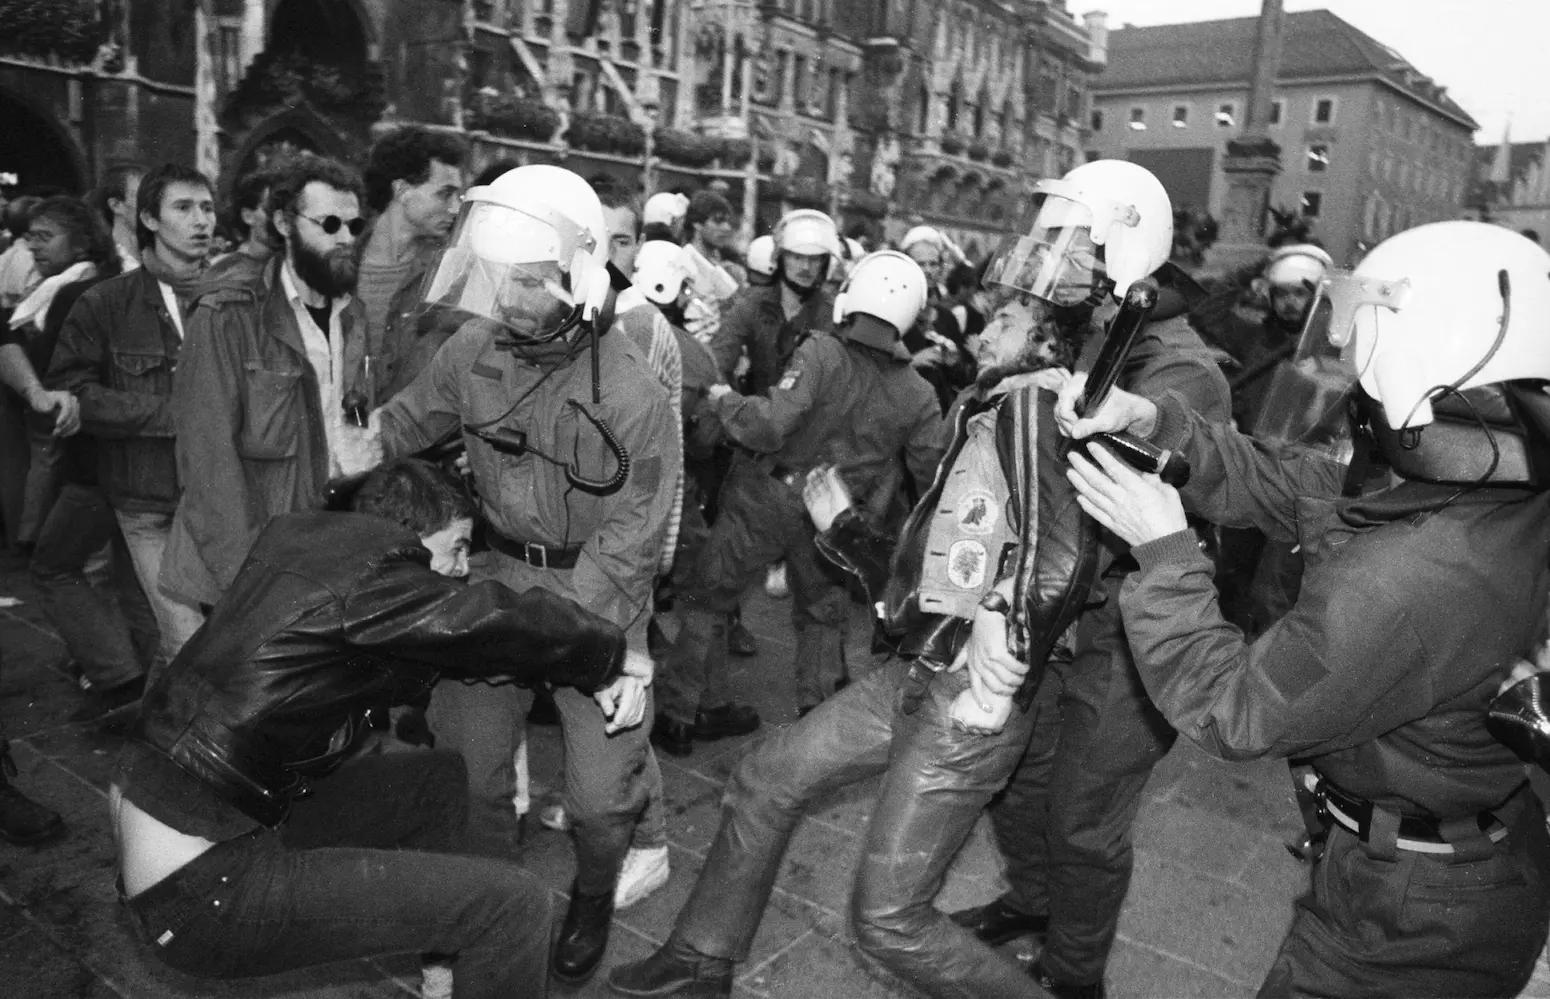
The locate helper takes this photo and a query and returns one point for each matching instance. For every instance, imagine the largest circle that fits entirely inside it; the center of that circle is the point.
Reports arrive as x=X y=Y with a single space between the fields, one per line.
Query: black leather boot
x=674 y=970
x=675 y=738
x=998 y=923
x=727 y=719
x=583 y=935
x=1063 y=989
x=22 y=820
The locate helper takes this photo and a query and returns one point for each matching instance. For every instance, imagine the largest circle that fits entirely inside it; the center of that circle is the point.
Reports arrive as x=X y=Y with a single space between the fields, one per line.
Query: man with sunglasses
x=258 y=400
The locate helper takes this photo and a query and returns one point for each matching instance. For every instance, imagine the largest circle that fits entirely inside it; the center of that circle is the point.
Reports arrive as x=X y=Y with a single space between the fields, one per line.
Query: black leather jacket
x=1055 y=562
x=331 y=615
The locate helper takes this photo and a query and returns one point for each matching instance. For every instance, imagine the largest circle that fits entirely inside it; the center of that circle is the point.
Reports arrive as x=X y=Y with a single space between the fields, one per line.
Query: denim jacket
x=117 y=352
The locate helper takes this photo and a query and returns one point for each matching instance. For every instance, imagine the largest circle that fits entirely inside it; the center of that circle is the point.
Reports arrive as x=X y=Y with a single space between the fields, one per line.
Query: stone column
x=1253 y=160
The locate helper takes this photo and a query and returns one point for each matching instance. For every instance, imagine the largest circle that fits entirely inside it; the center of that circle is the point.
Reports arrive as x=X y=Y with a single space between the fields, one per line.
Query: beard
x=332 y=273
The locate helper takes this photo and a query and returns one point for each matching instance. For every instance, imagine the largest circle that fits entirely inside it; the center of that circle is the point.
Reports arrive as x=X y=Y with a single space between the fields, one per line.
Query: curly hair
x=405 y=154
x=293 y=178
x=90 y=237
x=415 y=493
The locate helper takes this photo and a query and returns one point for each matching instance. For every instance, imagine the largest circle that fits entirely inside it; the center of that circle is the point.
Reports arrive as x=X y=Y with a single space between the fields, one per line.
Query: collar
x=392 y=241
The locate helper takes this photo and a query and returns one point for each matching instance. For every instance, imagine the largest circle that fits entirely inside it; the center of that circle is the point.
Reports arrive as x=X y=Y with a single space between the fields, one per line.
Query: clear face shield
x=1060 y=260
x=1310 y=392
x=512 y=268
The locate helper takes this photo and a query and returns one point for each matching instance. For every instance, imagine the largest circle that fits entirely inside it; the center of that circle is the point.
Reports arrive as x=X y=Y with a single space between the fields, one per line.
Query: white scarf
x=36 y=305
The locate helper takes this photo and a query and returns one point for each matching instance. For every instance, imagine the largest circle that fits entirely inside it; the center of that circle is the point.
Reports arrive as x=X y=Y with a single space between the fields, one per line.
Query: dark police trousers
x=344 y=878
x=936 y=781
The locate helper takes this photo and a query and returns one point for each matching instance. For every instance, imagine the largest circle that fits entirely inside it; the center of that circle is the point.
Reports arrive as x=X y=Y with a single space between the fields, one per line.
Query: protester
x=663 y=216
x=249 y=219
x=116 y=200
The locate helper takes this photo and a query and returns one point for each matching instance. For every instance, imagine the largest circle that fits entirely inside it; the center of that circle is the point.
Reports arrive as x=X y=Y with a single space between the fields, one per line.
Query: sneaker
x=775 y=581
x=643 y=872
x=436 y=982
x=554 y=817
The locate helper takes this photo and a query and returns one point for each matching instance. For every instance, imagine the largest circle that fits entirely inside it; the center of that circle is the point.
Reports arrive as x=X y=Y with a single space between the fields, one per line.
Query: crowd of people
x=401 y=453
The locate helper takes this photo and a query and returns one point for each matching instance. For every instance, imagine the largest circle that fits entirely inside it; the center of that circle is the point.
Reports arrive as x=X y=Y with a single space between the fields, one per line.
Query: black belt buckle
x=528 y=547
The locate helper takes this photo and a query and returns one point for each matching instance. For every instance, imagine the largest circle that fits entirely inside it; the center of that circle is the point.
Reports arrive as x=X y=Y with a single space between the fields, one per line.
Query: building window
x=1324 y=111
x=1181 y=116
x=229 y=60
x=1404 y=175
x=1097 y=120
x=1312 y=201
x=1138 y=119
x=1277 y=110
x=1227 y=115
x=1318 y=157
x=1372 y=162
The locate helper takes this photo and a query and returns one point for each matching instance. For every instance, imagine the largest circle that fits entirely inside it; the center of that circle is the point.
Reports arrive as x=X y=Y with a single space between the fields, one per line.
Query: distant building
x=1523 y=200
x=1369 y=145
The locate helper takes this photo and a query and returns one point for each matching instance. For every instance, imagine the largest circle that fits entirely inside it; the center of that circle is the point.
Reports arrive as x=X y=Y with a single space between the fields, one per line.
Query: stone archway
x=294 y=131
x=36 y=150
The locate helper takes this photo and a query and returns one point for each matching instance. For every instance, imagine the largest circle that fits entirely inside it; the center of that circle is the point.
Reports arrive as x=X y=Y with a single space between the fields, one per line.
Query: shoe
x=643 y=872
x=554 y=817
x=740 y=641
x=998 y=923
x=674 y=970
x=22 y=820
x=583 y=936
x=1062 y=989
x=100 y=703
x=775 y=582
x=728 y=719
x=675 y=738
x=544 y=711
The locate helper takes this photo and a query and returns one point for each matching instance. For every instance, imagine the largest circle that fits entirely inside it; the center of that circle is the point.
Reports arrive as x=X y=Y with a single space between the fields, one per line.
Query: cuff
x=1173 y=423
x=1180 y=546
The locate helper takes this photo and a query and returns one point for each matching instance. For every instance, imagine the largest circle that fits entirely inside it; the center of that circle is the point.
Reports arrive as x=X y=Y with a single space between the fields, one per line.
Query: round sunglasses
x=332 y=223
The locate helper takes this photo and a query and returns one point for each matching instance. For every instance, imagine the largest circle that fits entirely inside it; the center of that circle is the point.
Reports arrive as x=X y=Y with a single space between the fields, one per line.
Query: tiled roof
x=1317 y=44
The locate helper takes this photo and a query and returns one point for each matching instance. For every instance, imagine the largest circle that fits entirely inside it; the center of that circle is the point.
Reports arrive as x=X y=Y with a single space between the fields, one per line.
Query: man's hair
x=80 y=221
x=115 y=185
x=18 y=214
x=615 y=193
x=494 y=172
x=285 y=192
x=415 y=493
x=406 y=154
x=152 y=186
x=247 y=194
x=658 y=230
x=705 y=205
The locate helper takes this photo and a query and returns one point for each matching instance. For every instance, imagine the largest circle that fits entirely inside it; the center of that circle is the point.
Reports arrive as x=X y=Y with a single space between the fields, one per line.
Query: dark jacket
x=754 y=321
x=1055 y=562
x=117 y=352
x=1406 y=623
x=331 y=615
x=250 y=438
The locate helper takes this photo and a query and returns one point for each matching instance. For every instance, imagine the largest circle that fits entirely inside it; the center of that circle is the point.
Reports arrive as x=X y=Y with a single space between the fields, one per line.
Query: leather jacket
x=1054 y=565
x=331 y=615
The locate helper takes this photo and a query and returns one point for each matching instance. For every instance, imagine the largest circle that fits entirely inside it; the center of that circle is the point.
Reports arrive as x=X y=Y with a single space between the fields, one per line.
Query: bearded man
x=261 y=426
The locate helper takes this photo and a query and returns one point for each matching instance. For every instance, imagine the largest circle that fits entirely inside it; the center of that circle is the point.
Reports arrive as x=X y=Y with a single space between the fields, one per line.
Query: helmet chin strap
x=800 y=292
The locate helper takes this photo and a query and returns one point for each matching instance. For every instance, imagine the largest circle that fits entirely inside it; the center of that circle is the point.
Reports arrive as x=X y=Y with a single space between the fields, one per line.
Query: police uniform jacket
x=755 y=321
x=1408 y=619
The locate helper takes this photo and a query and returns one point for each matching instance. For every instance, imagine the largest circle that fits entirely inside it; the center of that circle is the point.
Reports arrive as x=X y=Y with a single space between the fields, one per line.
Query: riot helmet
x=886 y=285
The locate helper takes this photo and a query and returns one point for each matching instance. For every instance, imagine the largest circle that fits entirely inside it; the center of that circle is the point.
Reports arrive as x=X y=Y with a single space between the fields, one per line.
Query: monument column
x=1253 y=159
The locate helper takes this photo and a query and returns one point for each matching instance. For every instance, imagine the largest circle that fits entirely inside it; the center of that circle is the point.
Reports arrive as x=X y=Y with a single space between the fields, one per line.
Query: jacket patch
x=977 y=512
x=966 y=564
x=487 y=371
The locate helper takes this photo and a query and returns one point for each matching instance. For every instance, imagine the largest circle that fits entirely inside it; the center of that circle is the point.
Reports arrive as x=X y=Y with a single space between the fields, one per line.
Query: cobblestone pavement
x=1211 y=897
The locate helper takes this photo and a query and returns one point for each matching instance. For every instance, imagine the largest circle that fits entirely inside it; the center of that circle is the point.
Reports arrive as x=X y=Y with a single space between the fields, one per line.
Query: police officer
x=575 y=456
x=849 y=399
x=1419 y=594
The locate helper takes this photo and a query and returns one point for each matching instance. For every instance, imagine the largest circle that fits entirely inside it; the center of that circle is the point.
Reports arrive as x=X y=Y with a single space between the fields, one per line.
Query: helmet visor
x=1307 y=402
x=1057 y=260
x=512 y=268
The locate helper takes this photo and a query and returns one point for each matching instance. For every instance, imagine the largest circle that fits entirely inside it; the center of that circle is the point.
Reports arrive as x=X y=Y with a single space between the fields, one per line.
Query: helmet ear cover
x=1490 y=435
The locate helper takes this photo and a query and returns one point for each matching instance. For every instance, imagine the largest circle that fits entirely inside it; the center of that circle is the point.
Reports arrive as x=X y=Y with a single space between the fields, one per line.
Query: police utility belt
x=1375 y=825
x=533 y=553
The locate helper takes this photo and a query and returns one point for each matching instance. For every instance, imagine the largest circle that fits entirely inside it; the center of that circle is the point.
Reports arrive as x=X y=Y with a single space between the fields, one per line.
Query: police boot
x=999 y=923
x=674 y=970
x=583 y=935
x=22 y=820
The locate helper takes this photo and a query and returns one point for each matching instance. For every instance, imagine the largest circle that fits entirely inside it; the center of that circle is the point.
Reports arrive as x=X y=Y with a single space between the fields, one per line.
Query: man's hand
x=623 y=703
x=360 y=448
x=993 y=671
x=64 y=405
x=1121 y=412
x=640 y=666
x=718 y=390
x=1139 y=508
x=826 y=496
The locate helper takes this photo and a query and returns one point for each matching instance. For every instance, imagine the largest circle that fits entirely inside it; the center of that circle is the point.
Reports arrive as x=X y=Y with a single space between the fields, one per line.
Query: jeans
x=102 y=635
x=1418 y=924
x=15 y=455
x=1064 y=821
x=758 y=520
x=45 y=476
x=894 y=721
x=344 y=878
x=146 y=536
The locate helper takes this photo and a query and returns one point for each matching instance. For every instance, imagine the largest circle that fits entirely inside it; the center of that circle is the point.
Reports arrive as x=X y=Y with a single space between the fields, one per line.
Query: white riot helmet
x=809 y=232
x=1442 y=308
x=529 y=252
x=760 y=257
x=1096 y=231
x=923 y=234
x=887 y=285
x=665 y=208
x=660 y=271
x=1299 y=265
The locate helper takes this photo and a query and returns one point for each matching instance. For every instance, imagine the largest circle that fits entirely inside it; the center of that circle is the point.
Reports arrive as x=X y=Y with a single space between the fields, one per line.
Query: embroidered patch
x=789 y=380
x=977 y=512
x=966 y=564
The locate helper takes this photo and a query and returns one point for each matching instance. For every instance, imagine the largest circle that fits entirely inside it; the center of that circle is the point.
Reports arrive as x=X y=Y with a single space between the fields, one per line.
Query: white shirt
x=326 y=355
